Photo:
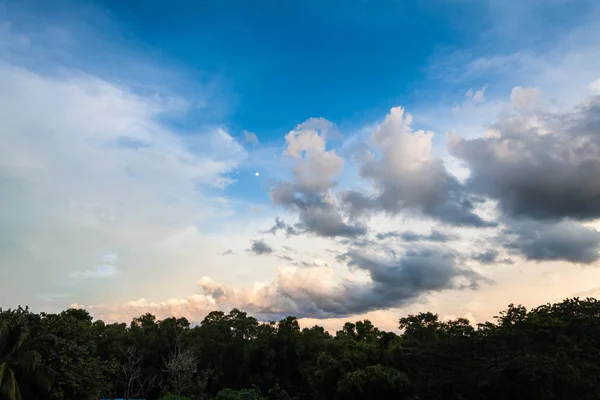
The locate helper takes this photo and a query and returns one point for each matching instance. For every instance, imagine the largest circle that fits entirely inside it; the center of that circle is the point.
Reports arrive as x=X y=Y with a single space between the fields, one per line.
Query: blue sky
x=136 y=116
x=348 y=61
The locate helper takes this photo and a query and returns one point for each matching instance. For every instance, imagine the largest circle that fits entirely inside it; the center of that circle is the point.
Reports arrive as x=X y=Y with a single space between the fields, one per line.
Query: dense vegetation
x=550 y=352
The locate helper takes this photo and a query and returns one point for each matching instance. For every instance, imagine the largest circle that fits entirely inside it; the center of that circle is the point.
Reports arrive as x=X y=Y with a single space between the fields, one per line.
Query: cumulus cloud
x=408 y=177
x=566 y=240
x=193 y=307
x=538 y=163
x=312 y=291
x=260 y=247
x=310 y=192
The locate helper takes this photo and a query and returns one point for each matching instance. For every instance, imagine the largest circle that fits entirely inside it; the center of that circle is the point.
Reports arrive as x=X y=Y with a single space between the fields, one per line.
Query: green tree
x=374 y=382
x=79 y=372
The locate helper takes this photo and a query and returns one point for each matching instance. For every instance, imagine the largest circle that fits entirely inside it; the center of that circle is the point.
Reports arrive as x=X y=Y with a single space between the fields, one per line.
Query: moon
x=256 y=174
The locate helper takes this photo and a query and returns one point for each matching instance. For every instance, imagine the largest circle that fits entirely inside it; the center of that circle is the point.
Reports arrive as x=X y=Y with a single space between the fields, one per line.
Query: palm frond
x=3 y=368
x=16 y=390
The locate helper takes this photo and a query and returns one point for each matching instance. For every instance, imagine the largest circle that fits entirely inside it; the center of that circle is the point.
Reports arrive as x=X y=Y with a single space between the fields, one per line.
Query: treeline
x=550 y=352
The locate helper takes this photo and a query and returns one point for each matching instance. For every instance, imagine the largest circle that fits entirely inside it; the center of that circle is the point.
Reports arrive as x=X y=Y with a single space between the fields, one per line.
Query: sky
x=332 y=160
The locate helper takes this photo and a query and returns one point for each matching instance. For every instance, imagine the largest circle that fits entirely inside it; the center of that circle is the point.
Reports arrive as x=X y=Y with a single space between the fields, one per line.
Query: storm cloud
x=544 y=241
x=536 y=163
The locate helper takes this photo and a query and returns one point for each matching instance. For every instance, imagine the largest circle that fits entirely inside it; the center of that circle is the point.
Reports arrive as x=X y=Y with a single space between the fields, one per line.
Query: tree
x=136 y=383
x=374 y=382
x=181 y=366
x=21 y=369
x=78 y=371
x=551 y=352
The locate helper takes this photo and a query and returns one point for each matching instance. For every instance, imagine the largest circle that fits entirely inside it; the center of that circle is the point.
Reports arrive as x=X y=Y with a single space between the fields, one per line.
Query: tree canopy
x=549 y=352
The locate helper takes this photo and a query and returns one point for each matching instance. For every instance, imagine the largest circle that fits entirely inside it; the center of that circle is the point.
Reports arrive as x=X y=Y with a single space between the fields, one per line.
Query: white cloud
x=595 y=87
x=318 y=166
x=87 y=170
x=524 y=98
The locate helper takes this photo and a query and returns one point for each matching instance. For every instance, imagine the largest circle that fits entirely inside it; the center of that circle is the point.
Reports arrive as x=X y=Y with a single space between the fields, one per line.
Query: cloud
x=476 y=96
x=260 y=247
x=227 y=252
x=250 y=138
x=310 y=291
x=537 y=163
x=309 y=194
x=103 y=271
x=594 y=87
x=281 y=225
x=490 y=257
x=193 y=307
x=408 y=178
x=543 y=241
x=87 y=162
x=409 y=236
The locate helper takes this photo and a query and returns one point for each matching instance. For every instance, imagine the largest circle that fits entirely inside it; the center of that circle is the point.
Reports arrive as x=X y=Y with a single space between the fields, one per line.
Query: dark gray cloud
x=409 y=236
x=362 y=242
x=566 y=240
x=260 y=247
x=490 y=257
x=537 y=164
x=395 y=282
x=408 y=178
x=432 y=191
x=317 y=214
x=281 y=225
x=328 y=221
x=321 y=220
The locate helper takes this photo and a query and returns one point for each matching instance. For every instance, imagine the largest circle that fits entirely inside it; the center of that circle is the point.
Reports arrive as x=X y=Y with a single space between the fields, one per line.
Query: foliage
x=374 y=382
x=551 y=352
x=244 y=394
x=21 y=371
x=171 y=396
